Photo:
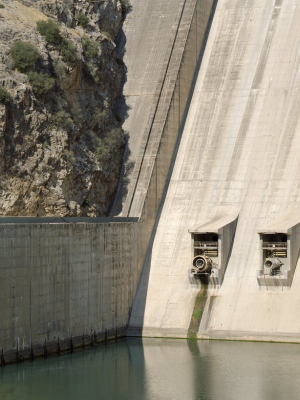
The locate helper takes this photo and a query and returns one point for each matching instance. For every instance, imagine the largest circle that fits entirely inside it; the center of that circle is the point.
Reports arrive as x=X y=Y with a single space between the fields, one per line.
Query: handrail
x=275 y=244
x=205 y=244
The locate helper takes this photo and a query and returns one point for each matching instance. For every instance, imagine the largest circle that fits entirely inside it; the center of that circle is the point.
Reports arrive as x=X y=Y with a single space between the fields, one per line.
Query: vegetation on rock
x=61 y=119
x=90 y=47
x=107 y=35
x=50 y=30
x=68 y=52
x=126 y=7
x=67 y=147
x=24 y=55
x=103 y=146
x=4 y=96
x=83 y=20
x=41 y=83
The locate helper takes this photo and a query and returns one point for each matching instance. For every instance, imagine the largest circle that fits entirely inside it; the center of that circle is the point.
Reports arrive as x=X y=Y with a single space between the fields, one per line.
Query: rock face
x=61 y=151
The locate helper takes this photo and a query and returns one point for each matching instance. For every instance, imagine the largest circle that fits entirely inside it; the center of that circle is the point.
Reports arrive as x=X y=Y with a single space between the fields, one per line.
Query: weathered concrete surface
x=163 y=43
x=240 y=152
x=62 y=280
x=145 y=44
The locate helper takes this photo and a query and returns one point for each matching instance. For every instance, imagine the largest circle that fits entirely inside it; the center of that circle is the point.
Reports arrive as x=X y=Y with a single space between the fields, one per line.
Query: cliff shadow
x=122 y=111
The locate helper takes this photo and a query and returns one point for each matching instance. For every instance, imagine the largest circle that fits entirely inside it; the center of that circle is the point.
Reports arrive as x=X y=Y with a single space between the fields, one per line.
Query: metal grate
x=205 y=244
x=274 y=245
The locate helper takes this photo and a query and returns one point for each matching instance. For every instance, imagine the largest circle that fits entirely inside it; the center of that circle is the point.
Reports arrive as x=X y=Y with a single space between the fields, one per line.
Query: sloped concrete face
x=240 y=153
x=145 y=44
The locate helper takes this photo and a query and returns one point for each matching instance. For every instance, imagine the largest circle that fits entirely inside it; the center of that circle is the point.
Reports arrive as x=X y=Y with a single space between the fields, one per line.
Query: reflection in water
x=168 y=370
x=154 y=369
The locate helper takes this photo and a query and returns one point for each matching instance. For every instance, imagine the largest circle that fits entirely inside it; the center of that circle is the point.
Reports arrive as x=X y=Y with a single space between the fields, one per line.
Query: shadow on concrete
x=141 y=296
x=122 y=110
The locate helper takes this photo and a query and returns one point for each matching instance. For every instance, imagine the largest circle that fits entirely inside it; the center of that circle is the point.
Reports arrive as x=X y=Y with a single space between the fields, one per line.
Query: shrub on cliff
x=41 y=83
x=24 y=55
x=69 y=53
x=50 y=30
x=107 y=35
x=126 y=7
x=83 y=20
x=4 y=96
x=61 y=120
x=90 y=47
x=104 y=147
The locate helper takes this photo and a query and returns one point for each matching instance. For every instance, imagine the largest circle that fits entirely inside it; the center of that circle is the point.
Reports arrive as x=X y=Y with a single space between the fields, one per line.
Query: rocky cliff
x=61 y=144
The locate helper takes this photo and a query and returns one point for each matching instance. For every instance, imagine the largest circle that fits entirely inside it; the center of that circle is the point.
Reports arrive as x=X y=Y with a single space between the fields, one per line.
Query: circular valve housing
x=272 y=264
x=202 y=264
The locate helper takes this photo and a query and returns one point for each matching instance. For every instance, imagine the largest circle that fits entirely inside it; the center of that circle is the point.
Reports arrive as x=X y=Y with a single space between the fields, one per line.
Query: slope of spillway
x=145 y=44
x=239 y=153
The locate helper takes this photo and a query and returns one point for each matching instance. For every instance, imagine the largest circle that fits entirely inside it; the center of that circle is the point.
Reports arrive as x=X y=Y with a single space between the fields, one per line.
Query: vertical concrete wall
x=65 y=280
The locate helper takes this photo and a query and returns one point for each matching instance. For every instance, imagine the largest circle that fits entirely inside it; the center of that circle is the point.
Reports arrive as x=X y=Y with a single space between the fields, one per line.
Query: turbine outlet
x=272 y=264
x=202 y=264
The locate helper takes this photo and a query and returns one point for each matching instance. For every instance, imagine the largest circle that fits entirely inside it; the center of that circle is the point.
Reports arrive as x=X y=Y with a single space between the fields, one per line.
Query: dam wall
x=151 y=174
x=152 y=168
x=67 y=282
x=161 y=62
x=239 y=155
x=63 y=280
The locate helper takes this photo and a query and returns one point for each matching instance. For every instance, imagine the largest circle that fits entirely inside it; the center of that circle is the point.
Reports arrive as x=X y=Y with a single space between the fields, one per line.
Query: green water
x=160 y=369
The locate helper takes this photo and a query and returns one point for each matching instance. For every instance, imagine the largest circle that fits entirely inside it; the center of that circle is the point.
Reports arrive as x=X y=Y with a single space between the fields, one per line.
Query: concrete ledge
x=157 y=332
x=67 y=345
x=64 y=220
x=286 y=337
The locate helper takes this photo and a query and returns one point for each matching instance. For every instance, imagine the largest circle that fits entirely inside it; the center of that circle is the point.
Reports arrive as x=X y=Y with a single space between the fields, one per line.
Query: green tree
x=61 y=119
x=4 y=96
x=90 y=47
x=69 y=53
x=50 y=30
x=126 y=7
x=24 y=55
x=83 y=20
x=41 y=83
x=104 y=147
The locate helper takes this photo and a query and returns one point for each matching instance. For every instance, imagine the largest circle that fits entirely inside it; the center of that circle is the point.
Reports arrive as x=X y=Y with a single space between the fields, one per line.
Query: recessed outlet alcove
x=279 y=247
x=211 y=244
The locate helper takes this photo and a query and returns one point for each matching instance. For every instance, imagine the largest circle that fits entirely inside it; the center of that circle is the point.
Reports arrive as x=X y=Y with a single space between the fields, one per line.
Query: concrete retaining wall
x=62 y=280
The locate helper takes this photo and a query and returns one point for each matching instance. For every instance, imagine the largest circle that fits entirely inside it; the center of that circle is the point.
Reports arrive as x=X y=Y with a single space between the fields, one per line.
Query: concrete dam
x=209 y=187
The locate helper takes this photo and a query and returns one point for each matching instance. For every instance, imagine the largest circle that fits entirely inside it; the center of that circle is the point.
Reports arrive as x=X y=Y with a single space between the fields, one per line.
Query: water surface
x=161 y=369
